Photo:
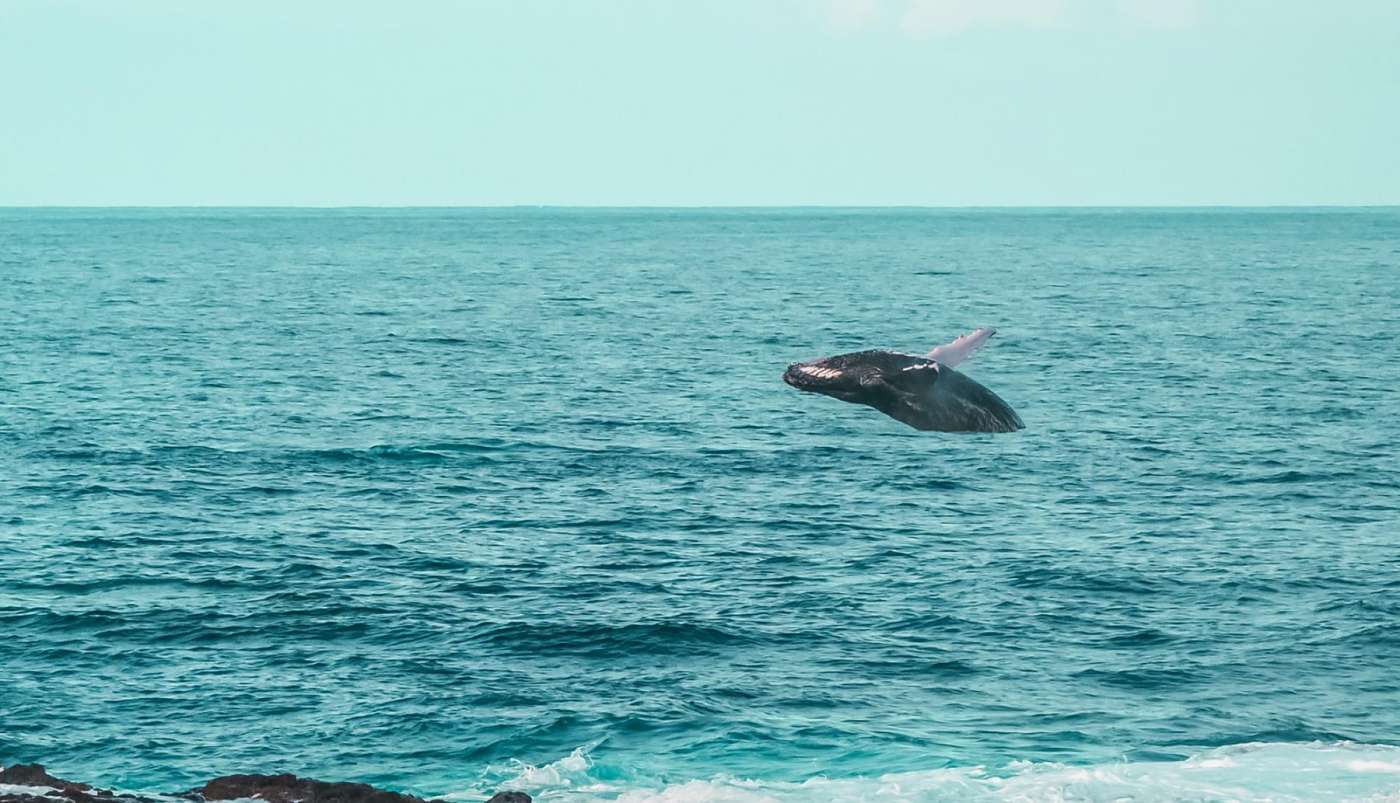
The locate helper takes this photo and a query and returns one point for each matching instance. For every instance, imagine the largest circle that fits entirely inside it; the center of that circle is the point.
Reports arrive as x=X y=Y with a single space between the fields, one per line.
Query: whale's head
x=919 y=390
x=849 y=377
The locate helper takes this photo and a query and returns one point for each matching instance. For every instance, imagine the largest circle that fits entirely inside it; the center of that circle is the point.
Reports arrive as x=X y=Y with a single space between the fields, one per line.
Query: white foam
x=556 y=773
x=25 y=789
x=1373 y=766
x=1344 y=772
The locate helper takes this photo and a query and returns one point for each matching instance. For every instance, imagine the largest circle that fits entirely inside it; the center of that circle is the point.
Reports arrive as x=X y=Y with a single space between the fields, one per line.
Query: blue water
x=444 y=500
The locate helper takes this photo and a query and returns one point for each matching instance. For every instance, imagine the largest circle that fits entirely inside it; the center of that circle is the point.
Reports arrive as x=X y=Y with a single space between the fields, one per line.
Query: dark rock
x=509 y=797
x=69 y=791
x=270 y=788
x=291 y=789
x=34 y=775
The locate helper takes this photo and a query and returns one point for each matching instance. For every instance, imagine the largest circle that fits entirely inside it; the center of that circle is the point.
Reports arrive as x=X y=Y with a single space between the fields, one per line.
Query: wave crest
x=1276 y=772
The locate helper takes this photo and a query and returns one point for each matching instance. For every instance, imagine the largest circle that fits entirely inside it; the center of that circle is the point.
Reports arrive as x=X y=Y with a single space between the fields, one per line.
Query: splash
x=1275 y=772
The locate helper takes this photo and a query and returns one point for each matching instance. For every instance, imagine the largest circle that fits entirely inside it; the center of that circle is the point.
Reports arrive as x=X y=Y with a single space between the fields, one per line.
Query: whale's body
x=925 y=392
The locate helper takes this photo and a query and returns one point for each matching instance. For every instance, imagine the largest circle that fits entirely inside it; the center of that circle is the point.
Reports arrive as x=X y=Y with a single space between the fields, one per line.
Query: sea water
x=451 y=500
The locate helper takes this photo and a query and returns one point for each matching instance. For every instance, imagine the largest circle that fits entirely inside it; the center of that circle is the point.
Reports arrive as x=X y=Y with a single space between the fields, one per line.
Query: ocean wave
x=1255 y=772
x=597 y=638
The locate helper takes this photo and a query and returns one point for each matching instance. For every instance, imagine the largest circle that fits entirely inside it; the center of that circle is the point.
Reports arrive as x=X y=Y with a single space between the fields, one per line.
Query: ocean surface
x=452 y=500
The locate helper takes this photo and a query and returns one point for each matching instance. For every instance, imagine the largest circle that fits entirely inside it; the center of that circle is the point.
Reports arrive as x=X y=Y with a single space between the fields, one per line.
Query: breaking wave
x=1255 y=772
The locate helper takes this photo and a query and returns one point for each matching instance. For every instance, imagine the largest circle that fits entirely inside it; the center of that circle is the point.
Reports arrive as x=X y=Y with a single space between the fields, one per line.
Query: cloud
x=848 y=16
x=941 y=17
x=1160 y=13
x=925 y=18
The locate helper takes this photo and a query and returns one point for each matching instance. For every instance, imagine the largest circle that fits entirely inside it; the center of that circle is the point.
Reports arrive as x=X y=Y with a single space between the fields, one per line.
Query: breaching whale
x=922 y=391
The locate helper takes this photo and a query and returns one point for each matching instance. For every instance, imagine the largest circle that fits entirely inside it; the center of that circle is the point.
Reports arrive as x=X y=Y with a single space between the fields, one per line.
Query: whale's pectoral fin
x=950 y=354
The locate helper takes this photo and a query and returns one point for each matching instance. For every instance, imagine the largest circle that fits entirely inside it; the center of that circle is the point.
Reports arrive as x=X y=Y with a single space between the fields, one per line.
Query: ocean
x=449 y=501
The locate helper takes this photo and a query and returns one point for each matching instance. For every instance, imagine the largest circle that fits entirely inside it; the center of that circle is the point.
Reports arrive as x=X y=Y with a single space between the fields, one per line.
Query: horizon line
x=704 y=206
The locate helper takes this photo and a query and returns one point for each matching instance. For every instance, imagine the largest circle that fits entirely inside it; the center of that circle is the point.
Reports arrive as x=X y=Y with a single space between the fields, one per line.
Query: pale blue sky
x=725 y=102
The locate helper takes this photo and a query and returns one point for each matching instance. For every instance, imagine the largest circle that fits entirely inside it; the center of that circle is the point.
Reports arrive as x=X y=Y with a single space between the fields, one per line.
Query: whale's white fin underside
x=950 y=354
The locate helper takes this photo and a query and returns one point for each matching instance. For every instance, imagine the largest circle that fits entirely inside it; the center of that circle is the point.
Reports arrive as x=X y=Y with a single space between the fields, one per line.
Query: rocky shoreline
x=37 y=786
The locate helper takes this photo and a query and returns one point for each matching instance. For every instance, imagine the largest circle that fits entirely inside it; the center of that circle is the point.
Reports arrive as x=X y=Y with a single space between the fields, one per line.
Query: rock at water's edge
x=291 y=789
x=271 y=788
x=34 y=775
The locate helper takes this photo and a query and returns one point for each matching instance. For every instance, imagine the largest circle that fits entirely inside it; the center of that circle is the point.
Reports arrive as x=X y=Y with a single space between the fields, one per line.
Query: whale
x=925 y=391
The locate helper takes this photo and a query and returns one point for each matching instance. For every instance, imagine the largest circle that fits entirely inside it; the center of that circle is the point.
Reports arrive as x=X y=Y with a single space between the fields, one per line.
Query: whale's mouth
x=815 y=376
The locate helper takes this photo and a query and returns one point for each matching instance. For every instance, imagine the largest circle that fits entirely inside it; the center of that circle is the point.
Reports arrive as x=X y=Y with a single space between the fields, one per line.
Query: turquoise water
x=442 y=500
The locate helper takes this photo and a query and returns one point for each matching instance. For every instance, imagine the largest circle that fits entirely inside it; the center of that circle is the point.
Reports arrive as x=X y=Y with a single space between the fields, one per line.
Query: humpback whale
x=924 y=392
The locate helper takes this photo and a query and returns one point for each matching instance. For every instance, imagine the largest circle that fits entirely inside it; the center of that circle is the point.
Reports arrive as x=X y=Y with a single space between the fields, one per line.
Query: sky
x=699 y=102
